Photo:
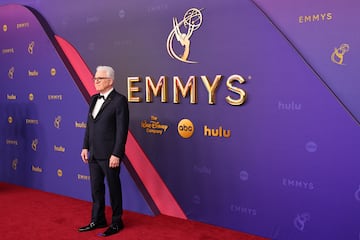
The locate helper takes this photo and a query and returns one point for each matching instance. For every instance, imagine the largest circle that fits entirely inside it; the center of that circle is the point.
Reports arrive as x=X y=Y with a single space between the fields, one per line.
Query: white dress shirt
x=99 y=103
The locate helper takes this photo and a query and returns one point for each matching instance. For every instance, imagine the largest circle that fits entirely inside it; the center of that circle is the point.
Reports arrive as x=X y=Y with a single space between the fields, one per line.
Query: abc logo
x=31 y=97
x=185 y=128
x=53 y=72
x=59 y=172
x=10 y=119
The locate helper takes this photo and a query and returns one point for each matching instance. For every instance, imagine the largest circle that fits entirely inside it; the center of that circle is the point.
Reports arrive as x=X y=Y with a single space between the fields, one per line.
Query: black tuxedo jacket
x=106 y=134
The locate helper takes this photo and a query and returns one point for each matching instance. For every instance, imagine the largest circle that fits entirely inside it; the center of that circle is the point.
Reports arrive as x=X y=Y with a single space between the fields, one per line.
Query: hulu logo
x=289 y=106
x=216 y=132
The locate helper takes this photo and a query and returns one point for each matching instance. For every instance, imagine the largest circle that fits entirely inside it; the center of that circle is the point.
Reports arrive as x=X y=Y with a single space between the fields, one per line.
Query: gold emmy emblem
x=338 y=54
x=14 y=164
x=192 y=21
x=5 y=27
x=31 y=97
x=10 y=119
x=34 y=144
x=11 y=73
x=31 y=47
x=57 y=122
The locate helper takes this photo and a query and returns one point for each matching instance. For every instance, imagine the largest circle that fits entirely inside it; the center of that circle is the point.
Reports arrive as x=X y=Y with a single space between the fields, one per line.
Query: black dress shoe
x=114 y=228
x=92 y=226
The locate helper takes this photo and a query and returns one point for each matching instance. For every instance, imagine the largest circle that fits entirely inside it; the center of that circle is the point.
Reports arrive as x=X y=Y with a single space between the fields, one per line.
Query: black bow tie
x=101 y=97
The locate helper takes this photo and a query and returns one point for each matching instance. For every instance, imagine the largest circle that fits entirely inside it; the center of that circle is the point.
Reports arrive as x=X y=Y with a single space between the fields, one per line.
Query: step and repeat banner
x=243 y=114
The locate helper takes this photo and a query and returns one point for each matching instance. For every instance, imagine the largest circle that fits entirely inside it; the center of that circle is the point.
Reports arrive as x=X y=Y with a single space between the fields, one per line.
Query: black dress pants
x=99 y=170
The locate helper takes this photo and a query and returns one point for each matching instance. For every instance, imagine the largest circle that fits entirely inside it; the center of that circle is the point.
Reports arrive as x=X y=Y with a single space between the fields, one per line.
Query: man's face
x=102 y=82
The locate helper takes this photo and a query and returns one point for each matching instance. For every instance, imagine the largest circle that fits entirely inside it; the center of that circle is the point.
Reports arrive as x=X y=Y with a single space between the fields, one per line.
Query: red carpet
x=31 y=214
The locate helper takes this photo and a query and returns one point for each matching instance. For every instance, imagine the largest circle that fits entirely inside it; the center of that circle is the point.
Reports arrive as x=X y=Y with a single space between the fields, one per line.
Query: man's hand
x=114 y=162
x=84 y=155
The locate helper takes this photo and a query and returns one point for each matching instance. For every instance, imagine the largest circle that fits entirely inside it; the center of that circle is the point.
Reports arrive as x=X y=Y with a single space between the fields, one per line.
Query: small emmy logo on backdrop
x=14 y=164
x=57 y=122
x=301 y=220
x=338 y=54
x=11 y=73
x=357 y=194
x=191 y=22
x=34 y=144
x=31 y=47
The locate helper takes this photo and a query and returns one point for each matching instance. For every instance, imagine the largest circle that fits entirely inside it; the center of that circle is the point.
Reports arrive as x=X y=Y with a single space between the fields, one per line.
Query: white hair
x=109 y=70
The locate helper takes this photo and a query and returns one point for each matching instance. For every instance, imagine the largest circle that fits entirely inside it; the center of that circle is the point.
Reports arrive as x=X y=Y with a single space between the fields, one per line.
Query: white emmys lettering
x=297 y=184
x=243 y=210
x=202 y=169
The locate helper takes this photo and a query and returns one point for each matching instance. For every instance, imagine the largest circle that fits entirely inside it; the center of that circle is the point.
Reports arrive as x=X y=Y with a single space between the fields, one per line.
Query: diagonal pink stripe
x=153 y=183
x=78 y=64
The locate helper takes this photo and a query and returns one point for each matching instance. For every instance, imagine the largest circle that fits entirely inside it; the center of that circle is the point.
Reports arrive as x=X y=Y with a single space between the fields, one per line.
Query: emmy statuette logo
x=338 y=54
x=191 y=22
x=14 y=164
x=11 y=73
x=34 y=144
x=31 y=47
x=57 y=122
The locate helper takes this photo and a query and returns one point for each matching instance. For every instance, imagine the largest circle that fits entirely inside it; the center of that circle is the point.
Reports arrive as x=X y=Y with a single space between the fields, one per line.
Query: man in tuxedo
x=104 y=148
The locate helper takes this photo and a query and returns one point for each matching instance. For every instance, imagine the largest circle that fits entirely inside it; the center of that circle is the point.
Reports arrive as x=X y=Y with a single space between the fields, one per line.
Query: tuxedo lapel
x=92 y=104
